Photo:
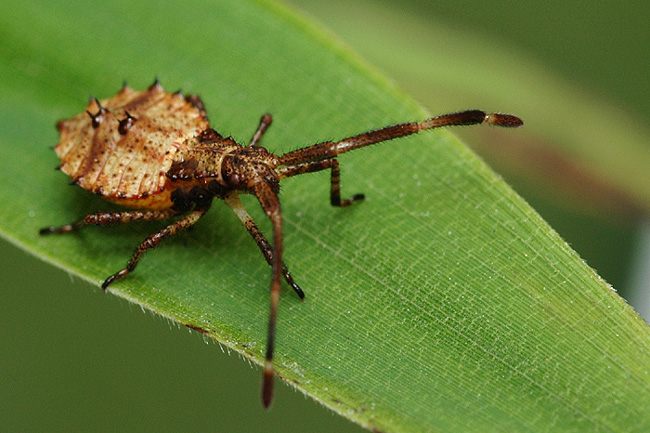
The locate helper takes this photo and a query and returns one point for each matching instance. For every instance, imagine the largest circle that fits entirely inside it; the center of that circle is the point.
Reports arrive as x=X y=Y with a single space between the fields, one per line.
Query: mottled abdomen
x=122 y=147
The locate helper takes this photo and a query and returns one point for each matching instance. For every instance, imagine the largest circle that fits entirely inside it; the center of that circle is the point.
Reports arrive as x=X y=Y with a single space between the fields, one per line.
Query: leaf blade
x=443 y=271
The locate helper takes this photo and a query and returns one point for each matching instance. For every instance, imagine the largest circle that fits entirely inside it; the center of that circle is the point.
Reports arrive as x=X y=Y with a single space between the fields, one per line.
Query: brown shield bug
x=154 y=152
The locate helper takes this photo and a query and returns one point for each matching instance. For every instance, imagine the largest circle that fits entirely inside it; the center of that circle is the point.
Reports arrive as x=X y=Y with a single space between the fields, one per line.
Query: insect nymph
x=154 y=152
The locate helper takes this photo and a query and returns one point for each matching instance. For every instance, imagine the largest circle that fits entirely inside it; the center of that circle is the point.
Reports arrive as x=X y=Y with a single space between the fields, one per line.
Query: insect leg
x=265 y=122
x=155 y=239
x=310 y=167
x=329 y=150
x=269 y=201
x=105 y=218
x=236 y=205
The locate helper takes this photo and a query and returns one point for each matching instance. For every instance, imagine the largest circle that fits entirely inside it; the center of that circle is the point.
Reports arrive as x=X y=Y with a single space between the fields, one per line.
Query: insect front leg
x=237 y=206
x=265 y=122
x=335 y=188
x=106 y=218
x=154 y=239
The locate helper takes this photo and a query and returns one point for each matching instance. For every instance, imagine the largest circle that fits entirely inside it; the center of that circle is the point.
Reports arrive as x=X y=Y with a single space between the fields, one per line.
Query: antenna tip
x=504 y=120
x=267 y=385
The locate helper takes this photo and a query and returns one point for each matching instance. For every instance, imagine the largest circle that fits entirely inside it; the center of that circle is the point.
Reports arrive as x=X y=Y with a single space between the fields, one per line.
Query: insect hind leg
x=154 y=239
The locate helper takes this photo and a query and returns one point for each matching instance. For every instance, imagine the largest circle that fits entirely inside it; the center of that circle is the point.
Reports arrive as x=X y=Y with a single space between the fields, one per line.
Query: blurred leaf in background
x=577 y=74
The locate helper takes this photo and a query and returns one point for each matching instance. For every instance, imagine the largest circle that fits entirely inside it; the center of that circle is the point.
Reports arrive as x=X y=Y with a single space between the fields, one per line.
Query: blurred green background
x=58 y=375
x=586 y=58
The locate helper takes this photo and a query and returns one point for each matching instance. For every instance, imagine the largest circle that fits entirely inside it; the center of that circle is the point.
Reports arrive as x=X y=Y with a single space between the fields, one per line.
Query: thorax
x=210 y=158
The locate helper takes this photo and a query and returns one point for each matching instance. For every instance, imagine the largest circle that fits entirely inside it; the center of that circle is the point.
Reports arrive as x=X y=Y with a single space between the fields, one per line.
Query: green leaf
x=598 y=154
x=441 y=303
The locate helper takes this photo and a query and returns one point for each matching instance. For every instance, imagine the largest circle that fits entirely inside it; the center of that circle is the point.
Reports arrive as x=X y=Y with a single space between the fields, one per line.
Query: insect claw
x=298 y=290
x=107 y=282
x=47 y=230
x=63 y=229
x=112 y=278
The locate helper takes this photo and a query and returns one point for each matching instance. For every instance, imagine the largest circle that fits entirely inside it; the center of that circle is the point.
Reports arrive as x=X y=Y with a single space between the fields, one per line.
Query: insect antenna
x=328 y=150
x=271 y=204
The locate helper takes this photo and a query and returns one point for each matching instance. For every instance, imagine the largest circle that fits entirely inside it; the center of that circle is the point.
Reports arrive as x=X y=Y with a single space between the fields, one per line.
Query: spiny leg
x=105 y=218
x=237 y=206
x=310 y=167
x=335 y=188
x=265 y=122
x=154 y=239
x=269 y=201
x=328 y=150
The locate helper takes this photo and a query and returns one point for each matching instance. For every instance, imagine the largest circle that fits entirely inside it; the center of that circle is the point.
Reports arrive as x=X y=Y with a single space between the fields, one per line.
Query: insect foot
x=162 y=160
